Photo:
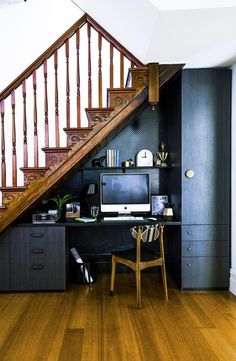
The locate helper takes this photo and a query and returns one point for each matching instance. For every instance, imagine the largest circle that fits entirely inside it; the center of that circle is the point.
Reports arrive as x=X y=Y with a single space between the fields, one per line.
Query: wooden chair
x=141 y=257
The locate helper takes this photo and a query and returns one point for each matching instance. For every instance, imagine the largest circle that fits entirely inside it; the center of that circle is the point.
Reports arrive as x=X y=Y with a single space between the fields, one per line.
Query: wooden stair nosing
x=40 y=187
x=13 y=189
x=56 y=149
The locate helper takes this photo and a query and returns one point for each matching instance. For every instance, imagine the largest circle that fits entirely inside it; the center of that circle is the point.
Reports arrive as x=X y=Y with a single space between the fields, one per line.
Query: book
x=112 y=158
x=85 y=219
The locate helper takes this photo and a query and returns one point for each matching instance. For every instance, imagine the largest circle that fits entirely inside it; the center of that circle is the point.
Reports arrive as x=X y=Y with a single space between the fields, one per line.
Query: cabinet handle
x=37 y=250
x=36 y=234
x=189 y=264
x=37 y=266
x=189 y=232
x=189 y=248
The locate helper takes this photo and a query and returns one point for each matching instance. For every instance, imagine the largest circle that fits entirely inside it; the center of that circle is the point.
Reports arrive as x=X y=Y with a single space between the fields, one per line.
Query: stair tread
x=56 y=148
x=13 y=188
x=81 y=129
x=34 y=168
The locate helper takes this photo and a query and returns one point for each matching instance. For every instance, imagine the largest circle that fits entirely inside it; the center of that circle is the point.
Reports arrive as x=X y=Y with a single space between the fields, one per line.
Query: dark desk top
x=102 y=222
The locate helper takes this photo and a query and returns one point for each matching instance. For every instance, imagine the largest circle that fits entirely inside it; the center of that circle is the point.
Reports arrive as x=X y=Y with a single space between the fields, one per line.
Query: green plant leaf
x=59 y=200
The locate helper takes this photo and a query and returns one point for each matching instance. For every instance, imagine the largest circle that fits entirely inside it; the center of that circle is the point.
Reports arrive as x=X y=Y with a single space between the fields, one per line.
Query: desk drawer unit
x=4 y=262
x=205 y=256
x=37 y=258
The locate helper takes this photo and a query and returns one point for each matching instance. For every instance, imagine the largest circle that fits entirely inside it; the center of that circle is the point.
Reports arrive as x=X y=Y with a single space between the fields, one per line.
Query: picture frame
x=158 y=204
x=72 y=210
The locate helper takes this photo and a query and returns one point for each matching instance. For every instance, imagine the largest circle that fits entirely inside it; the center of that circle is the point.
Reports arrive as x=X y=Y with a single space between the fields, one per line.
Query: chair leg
x=164 y=281
x=138 y=287
x=113 y=272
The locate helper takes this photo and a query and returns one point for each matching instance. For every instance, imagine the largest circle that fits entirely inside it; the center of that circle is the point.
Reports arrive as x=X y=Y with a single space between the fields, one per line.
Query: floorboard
x=86 y=324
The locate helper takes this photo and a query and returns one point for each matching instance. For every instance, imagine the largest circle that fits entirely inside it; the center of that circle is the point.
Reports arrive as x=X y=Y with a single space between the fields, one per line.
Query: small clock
x=144 y=158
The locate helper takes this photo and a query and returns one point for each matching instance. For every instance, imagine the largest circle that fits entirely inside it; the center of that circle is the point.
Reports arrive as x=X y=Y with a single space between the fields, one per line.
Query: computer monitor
x=125 y=193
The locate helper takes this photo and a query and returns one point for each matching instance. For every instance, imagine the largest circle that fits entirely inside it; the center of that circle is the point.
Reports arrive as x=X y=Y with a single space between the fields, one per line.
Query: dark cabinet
x=206 y=104
x=37 y=258
x=205 y=116
x=4 y=262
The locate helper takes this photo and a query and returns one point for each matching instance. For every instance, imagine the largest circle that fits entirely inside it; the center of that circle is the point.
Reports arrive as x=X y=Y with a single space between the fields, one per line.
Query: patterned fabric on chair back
x=149 y=233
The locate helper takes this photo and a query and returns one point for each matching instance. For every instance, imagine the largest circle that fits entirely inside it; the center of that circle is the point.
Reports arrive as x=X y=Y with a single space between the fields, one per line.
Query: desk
x=36 y=257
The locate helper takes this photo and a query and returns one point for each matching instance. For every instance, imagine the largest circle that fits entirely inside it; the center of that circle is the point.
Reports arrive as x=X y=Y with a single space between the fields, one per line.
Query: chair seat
x=130 y=254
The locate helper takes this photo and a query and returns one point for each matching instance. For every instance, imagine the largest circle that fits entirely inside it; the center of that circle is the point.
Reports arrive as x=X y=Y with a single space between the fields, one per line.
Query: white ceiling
x=199 y=33
x=192 y=4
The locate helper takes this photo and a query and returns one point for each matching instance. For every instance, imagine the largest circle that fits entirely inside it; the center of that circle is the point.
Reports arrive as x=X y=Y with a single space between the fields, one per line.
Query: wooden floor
x=87 y=324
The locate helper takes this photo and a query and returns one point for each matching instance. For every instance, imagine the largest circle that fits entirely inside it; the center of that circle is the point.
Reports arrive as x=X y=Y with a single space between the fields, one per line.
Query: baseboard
x=232 y=282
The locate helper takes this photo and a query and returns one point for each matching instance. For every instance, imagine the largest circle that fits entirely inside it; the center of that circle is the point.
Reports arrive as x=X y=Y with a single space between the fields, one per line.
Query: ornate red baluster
x=45 y=74
x=57 y=136
x=36 y=156
x=3 y=165
x=111 y=65
x=78 y=78
x=25 y=145
x=67 y=85
x=89 y=67
x=14 y=159
x=100 y=70
x=121 y=70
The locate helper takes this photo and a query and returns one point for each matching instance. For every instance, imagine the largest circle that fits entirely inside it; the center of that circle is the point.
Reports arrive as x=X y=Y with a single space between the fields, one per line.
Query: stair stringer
x=101 y=134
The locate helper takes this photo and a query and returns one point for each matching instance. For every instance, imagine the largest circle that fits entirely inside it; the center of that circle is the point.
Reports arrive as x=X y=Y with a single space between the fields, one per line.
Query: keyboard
x=123 y=218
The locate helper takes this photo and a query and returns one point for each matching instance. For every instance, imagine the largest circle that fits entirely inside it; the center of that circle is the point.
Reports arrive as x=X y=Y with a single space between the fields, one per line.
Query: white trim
x=232 y=281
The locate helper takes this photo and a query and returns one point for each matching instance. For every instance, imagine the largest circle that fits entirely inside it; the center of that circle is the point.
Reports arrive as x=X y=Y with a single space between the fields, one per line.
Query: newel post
x=153 y=84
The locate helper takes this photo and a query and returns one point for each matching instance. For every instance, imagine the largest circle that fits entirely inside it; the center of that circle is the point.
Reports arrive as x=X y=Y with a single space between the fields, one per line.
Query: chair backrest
x=149 y=233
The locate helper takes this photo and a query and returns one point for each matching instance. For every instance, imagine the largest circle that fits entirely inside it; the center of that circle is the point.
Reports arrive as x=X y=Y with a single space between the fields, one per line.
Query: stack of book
x=112 y=158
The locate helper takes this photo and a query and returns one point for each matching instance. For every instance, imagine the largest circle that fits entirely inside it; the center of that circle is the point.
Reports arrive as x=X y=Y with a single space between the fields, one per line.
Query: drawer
x=205 y=272
x=34 y=250
x=35 y=234
x=27 y=234
x=205 y=248
x=205 y=232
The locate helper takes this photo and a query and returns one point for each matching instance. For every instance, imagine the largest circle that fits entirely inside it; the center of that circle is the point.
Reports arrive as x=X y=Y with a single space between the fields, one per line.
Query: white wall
x=233 y=186
x=30 y=28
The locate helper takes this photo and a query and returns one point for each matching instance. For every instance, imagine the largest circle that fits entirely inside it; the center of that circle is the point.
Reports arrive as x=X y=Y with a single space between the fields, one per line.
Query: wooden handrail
x=58 y=43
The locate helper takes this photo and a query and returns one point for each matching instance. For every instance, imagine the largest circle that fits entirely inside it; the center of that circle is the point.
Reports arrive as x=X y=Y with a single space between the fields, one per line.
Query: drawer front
x=205 y=272
x=29 y=251
x=4 y=262
x=205 y=233
x=205 y=248
x=37 y=258
x=27 y=234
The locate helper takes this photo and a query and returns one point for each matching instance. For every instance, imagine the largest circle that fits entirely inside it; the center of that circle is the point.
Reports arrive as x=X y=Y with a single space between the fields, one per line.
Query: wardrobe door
x=206 y=95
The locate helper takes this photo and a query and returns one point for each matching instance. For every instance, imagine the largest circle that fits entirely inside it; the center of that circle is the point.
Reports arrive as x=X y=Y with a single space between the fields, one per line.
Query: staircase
x=52 y=128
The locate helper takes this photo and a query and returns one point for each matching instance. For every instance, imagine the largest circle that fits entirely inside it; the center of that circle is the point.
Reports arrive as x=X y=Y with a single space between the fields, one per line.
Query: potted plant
x=60 y=201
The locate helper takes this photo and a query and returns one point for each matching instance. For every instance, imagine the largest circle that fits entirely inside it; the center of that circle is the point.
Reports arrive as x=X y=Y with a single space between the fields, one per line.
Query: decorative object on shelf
x=158 y=204
x=91 y=198
x=112 y=158
x=60 y=202
x=168 y=211
x=162 y=156
x=128 y=163
x=98 y=162
x=144 y=158
x=48 y=217
x=94 y=211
